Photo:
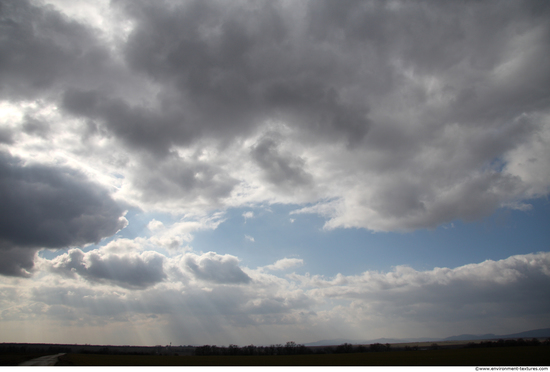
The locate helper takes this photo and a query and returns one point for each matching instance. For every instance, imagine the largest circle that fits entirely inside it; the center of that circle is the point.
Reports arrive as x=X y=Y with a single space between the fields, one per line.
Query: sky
x=257 y=172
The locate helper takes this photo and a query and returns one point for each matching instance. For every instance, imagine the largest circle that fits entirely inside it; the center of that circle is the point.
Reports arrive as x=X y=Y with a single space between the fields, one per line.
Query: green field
x=498 y=356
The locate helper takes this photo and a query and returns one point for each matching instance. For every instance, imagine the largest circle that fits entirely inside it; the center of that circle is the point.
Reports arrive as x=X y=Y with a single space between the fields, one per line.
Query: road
x=48 y=360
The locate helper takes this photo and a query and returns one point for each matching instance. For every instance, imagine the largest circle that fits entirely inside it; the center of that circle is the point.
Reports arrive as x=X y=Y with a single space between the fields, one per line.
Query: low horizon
x=211 y=172
x=531 y=334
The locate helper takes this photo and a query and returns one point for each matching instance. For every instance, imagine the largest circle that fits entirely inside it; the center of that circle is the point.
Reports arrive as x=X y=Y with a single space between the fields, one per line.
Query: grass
x=502 y=356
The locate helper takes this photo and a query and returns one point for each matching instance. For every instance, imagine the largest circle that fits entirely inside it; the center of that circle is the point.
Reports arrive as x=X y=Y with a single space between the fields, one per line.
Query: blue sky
x=212 y=172
x=495 y=237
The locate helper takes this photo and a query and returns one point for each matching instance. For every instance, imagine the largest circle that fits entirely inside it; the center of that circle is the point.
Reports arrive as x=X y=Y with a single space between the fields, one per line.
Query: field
x=498 y=356
x=16 y=359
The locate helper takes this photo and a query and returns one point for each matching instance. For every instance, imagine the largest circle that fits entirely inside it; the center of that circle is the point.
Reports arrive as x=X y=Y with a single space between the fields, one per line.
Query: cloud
x=128 y=270
x=249 y=238
x=17 y=261
x=285 y=170
x=211 y=267
x=200 y=106
x=6 y=136
x=180 y=233
x=285 y=263
x=248 y=215
x=50 y=207
x=471 y=293
x=135 y=126
x=155 y=225
x=497 y=296
x=46 y=51
x=412 y=157
x=176 y=179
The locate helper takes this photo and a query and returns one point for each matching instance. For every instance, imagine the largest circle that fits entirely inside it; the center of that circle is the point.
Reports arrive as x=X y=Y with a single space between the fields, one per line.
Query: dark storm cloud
x=16 y=261
x=127 y=270
x=49 y=207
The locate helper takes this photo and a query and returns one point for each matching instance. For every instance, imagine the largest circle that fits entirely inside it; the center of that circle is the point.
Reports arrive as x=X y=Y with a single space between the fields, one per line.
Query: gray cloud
x=235 y=66
x=49 y=207
x=16 y=261
x=282 y=170
x=176 y=178
x=36 y=126
x=405 y=112
x=216 y=268
x=137 y=127
x=126 y=270
x=42 y=48
x=6 y=136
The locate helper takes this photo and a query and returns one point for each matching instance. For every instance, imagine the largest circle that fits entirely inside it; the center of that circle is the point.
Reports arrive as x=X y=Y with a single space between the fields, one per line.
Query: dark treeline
x=114 y=351
x=505 y=343
x=290 y=348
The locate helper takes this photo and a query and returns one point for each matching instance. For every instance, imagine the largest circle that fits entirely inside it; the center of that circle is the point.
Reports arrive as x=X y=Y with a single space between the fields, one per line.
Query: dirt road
x=48 y=360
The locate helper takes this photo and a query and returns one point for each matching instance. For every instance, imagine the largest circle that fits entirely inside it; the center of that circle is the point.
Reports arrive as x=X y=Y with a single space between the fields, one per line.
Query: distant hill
x=340 y=341
x=466 y=337
x=544 y=332
x=536 y=333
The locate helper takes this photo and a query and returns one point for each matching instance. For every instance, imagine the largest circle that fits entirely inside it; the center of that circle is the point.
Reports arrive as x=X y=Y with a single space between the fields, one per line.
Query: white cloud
x=285 y=263
x=498 y=289
x=155 y=225
x=211 y=294
x=248 y=215
x=211 y=267
x=175 y=236
x=249 y=238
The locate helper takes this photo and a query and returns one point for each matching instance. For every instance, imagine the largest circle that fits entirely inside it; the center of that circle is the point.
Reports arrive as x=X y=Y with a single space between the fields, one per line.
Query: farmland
x=514 y=356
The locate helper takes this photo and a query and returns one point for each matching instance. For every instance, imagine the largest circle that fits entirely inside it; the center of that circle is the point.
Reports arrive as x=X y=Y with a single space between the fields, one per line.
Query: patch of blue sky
x=352 y=251
x=272 y=234
x=496 y=165
x=137 y=227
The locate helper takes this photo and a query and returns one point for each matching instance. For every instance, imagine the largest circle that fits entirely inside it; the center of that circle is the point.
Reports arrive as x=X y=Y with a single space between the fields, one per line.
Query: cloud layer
x=384 y=116
x=191 y=292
